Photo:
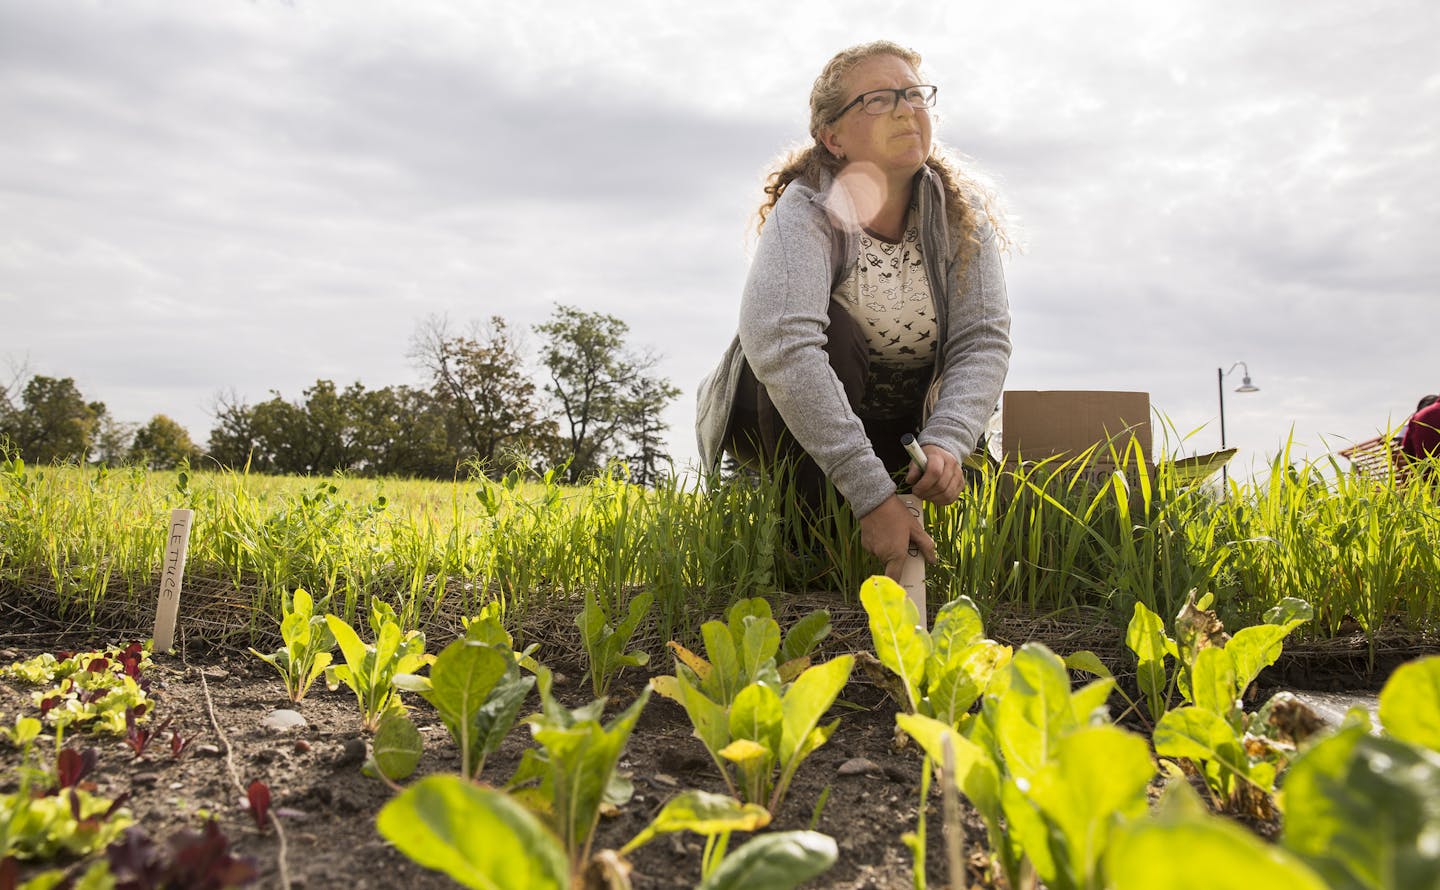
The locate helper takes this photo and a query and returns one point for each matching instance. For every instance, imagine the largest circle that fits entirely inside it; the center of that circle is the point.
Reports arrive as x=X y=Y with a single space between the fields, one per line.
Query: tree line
x=585 y=401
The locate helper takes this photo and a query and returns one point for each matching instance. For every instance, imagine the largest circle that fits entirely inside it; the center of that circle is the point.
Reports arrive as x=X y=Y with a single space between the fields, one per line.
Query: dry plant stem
x=953 y=832
x=235 y=779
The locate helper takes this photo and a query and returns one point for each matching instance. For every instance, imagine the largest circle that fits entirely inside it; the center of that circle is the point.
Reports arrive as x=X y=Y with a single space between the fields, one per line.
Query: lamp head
x=1247 y=386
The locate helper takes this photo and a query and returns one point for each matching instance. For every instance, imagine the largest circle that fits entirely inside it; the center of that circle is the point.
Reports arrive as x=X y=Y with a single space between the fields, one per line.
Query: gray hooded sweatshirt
x=805 y=248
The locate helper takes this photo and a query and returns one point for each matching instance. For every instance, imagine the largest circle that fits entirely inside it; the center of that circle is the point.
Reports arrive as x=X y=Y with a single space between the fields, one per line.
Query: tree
x=401 y=431
x=603 y=389
x=643 y=428
x=110 y=445
x=9 y=392
x=53 y=421
x=303 y=438
x=482 y=383
x=395 y=431
x=234 y=442
x=163 y=444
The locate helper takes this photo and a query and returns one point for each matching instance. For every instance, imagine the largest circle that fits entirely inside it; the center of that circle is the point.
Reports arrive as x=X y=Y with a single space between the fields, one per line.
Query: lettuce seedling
x=483 y=838
x=91 y=690
x=74 y=822
x=1409 y=706
x=139 y=737
x=71 y=766
x=714 y=816
x=572 y=773
x=1184 y=845
x=308 y=641
x=747 y=648
x=480 y=837
x=395 y=751
x=179 y=745
x=1007 y=760
x=369 y=670
x=777 y=861
x=940 y=673
x=1364 y=811
x=257 y=797
x=194 y=859
x=605 y=644
x=478 y=690
x=755 y=715
x=1239 y=755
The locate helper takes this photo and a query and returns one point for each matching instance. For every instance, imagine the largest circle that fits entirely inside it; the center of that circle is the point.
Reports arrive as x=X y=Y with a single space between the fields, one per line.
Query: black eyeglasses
x=884 y=101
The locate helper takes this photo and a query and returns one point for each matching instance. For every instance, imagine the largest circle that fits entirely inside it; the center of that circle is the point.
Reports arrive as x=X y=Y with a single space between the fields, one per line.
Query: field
x=1059 y=557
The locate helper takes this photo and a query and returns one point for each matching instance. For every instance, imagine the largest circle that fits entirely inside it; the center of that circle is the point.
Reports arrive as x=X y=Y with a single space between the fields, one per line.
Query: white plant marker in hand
x=912 y=575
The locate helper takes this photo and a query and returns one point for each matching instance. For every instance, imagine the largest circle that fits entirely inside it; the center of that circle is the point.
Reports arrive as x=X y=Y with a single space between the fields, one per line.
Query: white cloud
x=249 y=196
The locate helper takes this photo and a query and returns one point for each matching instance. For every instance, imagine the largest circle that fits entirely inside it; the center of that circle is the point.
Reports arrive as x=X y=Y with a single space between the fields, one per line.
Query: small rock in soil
x=217 y=674
x=352 y=754
x=859 y=766
x=144 y=780
x=282 y=719
x=207 y=751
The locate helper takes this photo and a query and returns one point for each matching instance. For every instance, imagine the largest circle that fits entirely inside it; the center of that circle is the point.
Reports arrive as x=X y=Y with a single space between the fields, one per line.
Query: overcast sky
x=198 y=198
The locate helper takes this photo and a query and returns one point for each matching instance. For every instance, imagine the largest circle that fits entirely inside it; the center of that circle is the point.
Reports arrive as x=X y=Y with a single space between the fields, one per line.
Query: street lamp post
x=1245 y=386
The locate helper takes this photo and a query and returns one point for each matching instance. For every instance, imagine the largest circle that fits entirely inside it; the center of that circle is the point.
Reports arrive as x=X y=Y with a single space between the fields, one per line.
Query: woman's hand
x=942 y=481
x=889 y=530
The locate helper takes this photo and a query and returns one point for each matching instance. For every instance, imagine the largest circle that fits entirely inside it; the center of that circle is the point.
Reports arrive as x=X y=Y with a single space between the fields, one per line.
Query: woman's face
x=897 y=142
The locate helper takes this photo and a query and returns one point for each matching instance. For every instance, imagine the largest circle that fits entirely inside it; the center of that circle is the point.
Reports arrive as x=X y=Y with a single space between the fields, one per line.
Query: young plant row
x=56 y=810
x=1056 y=536
x=757 y=702
x=1063 y=791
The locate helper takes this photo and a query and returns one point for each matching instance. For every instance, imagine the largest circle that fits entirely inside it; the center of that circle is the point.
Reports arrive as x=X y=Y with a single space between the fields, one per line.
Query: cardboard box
x=1040 y=424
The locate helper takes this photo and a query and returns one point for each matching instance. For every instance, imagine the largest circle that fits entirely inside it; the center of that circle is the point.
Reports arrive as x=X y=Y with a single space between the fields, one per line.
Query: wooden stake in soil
x=176 y=543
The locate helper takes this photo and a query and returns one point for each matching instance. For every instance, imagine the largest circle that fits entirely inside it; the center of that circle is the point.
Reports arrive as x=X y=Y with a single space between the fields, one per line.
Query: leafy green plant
x=572 y=773
x=369 y=670
x=396 y=748
x=941 y=673
x=747 y=648
x=1048 y=775
x=1239 y=755
x=100 y=691
x=605 y=643
x=73 y=822
x=751 y=712
x=1363 y=811
x=1410 y=703
x=480 y=837
x=308 y=641
x=484 y=838
x=23 y=734
x=1145 y=636
x=1185 y=846
x=776 y=861
x=476 y=686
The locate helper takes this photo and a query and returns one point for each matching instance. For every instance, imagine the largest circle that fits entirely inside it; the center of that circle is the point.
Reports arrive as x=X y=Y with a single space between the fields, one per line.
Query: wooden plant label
x=173 y=570
x=912 y=576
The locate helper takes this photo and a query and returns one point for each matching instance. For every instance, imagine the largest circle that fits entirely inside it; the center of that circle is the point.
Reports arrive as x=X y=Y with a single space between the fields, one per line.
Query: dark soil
x=328 y=806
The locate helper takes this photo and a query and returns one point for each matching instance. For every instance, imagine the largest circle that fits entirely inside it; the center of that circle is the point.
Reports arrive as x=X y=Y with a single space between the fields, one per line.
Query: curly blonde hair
x=827 y=97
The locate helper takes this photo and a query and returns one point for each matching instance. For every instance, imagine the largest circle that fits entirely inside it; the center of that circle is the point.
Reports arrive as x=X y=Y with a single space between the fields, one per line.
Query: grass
x=1053 y=537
